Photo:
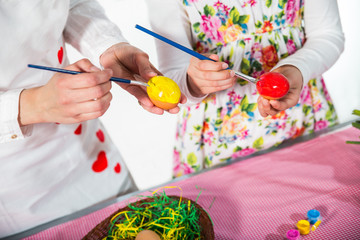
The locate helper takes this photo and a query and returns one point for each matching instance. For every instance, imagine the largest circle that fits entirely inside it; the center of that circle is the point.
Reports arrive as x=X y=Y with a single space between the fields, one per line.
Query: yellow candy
x=163 y=92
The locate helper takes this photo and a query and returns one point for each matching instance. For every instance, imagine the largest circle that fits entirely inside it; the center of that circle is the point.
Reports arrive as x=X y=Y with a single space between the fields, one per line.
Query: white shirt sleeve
x=10 y=129
x=89 y=30
x=324 y=39
x=178 y=29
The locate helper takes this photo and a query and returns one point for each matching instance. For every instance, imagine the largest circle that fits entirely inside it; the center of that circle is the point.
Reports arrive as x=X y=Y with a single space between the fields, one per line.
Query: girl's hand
x=205 y=76
x=272 y=107
x=68 y=98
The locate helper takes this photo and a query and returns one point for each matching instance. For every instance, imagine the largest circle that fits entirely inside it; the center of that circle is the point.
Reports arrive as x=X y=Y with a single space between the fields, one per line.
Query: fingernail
x=225 y=65
x=109 y=71
x=151 y=73
x=94 y=69
x=232 y=73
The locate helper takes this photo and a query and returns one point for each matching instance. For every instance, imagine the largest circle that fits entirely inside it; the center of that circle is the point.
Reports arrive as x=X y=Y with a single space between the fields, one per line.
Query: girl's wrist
x=193 y=89
x=293 y=74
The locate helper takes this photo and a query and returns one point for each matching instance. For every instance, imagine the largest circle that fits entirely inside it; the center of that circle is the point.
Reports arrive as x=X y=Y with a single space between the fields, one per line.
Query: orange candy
x=147 y=235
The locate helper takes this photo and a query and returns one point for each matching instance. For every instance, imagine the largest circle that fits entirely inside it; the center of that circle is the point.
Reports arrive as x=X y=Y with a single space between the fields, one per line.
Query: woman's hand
x=128 y=62
x=272 y=107
x=205 y=76
x=68 y=98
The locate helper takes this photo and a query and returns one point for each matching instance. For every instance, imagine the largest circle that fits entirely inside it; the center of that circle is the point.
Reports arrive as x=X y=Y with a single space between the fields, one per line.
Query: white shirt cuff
x=10 y=129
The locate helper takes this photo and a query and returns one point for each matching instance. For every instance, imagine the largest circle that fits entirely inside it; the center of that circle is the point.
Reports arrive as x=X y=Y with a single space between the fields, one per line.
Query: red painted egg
x=272 y=85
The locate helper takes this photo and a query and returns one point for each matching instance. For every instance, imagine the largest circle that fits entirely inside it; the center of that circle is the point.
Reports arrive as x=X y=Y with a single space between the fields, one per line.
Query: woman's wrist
x=29 y=112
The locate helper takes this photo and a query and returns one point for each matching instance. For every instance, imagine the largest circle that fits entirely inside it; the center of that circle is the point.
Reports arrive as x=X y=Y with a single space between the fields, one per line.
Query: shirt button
x=14 y=136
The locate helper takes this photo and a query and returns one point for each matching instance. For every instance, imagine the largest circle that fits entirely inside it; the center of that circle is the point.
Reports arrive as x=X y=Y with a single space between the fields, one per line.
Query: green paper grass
x=170 y=218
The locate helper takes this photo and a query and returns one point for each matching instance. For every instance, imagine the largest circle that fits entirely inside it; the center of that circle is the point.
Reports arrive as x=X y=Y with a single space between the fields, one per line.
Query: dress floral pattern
x=251 y=36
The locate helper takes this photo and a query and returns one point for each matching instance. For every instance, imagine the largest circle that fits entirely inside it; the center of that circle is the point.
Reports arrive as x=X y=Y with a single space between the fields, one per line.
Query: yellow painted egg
x=147 y=235
x=163 y=92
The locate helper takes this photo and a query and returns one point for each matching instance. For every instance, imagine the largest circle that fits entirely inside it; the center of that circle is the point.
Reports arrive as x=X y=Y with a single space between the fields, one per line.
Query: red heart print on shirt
x=78 y=130
x=101 y=162
x=117 y=168
x=60 y=54
x=100 y=135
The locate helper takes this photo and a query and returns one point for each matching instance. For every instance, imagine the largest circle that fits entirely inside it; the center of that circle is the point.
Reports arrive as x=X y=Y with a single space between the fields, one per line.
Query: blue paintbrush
x=191 y=52
x=60 y=70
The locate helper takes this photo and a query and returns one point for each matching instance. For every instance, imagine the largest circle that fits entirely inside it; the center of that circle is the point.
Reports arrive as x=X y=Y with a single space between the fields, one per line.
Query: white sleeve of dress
x=324 y=39
x=89 y=30
x=169 y=19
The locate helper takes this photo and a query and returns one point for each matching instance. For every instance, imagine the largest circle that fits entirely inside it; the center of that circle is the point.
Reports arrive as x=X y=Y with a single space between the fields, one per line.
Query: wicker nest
x=101 y=230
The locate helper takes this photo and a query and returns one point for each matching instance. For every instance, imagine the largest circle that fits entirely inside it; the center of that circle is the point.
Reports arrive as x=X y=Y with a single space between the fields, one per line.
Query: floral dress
x=251 y=36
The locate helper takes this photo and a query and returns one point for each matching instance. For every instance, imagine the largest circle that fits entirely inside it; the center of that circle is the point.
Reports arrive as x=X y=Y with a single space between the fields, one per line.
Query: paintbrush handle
x=61 y=70
x=191 y=52
x=172 y=43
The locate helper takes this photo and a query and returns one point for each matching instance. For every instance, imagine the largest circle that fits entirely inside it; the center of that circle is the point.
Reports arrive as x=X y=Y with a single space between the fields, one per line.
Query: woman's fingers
x=140 y=94
x=174 y=110
x=183 y=99
x=145 y=68
x=88 y=116
x=86 y=94
x=96 y=105
x=152 y=109
x=84 y=80
x=83 y=65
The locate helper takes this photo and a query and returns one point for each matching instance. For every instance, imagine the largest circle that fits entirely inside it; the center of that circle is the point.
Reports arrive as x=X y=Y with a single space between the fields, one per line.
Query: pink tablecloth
x=264 y=196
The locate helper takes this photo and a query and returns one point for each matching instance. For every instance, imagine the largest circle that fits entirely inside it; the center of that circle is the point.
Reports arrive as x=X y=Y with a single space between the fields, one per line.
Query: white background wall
x=146 y=140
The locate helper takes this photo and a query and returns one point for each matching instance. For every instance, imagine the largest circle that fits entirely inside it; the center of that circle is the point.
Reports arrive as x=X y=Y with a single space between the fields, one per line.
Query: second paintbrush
x=61 y=70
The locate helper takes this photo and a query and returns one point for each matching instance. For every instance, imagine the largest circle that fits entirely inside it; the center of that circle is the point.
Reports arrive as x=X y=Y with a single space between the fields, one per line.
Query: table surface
x=261 y=197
